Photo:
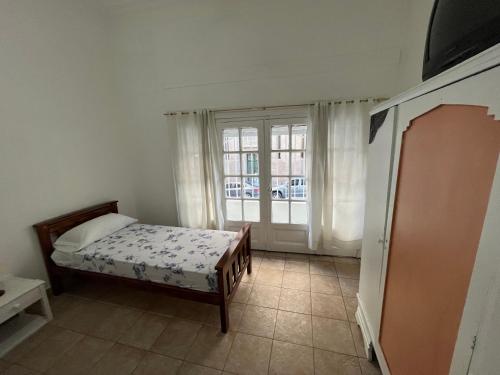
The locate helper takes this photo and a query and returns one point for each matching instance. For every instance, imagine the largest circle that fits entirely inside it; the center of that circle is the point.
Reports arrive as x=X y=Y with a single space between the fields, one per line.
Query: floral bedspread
x=171 y=255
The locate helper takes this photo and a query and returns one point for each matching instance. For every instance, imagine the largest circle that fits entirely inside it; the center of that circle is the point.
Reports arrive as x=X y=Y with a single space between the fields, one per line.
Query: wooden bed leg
x=223 y=301
x=224 y=317
x=249 y=249
x=56 y=284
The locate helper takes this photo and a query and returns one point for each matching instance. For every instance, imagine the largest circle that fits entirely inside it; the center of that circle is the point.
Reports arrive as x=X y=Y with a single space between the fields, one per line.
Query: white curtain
x=337 y=143
x=196 y=171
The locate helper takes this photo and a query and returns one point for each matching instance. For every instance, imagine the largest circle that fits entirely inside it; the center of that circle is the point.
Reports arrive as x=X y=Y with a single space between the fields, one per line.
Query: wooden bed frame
x=230 y=268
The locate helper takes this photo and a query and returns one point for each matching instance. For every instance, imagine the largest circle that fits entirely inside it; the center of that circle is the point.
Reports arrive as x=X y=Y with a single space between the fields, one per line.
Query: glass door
x=242 y=171
x=264 y=180
x=287 y=230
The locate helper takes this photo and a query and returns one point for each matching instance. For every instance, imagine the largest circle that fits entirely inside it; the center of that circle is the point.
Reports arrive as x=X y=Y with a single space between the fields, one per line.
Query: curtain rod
x=348 y=101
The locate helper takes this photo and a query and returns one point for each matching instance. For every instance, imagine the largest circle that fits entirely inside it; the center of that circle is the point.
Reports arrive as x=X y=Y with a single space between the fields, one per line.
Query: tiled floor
x=293 y=315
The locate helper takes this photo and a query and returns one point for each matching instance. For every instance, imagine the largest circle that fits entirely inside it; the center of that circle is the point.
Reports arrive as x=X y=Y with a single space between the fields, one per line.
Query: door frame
x=481 y=90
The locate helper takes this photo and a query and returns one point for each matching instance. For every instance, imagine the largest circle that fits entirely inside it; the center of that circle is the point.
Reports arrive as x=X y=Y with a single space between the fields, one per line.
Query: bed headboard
x=50 y=229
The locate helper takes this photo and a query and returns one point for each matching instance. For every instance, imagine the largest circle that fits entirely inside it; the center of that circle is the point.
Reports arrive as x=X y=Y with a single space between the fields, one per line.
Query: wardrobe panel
x=447 y=163
x=377 y=191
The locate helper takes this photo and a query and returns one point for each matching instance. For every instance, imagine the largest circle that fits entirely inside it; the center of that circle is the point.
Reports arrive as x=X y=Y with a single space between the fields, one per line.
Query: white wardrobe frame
x=482 y=89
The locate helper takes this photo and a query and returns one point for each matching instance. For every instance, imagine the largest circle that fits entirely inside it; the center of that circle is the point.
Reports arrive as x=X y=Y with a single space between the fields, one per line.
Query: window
x=288 y=169
x=241 y=174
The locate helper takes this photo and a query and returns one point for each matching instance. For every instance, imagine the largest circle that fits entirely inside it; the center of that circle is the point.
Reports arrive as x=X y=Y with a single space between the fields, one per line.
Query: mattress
x=170 y=255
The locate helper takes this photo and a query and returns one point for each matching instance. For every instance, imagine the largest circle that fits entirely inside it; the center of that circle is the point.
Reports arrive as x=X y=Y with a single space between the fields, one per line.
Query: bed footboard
x=230 y=270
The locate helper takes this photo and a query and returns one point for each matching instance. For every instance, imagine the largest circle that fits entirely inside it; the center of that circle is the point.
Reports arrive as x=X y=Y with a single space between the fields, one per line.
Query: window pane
x=299 y=137
x=299 y=212
x=231 y=140
x=249 y=139
x=233 y=210
x=252 y=210
x=251 y=187
x=299 y=163
x=279 y=187
x=280 y=137
x=280 y=162
x=232 y=187
x=298 y=188
x=279 y=212
x=231 y=164
x=250 y=163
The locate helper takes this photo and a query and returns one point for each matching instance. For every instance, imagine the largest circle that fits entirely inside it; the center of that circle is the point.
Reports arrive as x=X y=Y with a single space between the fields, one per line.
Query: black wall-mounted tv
x=459 y=29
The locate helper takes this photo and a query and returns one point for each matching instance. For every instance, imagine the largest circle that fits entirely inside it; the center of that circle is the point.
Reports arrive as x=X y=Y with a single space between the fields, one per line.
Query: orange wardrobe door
x=447 y=164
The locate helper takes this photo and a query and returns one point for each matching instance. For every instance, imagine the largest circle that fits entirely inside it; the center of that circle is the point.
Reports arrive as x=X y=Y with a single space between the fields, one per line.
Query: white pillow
x=84 y=234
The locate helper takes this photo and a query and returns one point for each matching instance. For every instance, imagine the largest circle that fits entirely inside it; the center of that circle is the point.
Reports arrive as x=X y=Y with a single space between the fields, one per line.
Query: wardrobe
x=429 y=294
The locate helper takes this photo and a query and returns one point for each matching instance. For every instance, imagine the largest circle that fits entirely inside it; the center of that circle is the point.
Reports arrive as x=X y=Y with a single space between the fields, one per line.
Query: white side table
x=20 y=294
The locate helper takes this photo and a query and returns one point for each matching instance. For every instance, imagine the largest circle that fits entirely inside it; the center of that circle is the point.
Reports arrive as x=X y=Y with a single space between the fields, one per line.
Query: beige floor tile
x=322 y=268
x=348 y=270
x=63 y=303
x=177 y=338
x=325 y=284
x=19 y=370
x=50 y=350
x=295 y=301
x=265 y=296
x=293 y=265
x=272 y=264
x=104 y=320
x=156 y=364
x=328 y=306
x=275 y=254
x=269 y=277
x=145 y=331
x=130 y=297
x=291 y=359
x=349 y=287
x=118 y=320
x=192 y=369
x=258 y=321
x=192 y=310
x=293 y=327
x=346 y=260
x=235 y=313
x=88 y=289
x=165 y=305
x=81 y=357
x=120 y=360
x=211 y=348
x=321 y=258
x=329 y=363
x=297 y=280
x=351 y=305
x=369 y=368
x=249 y=355
x=297 y=256
x=31 y=343
x=256 y=258
x=76 y=313
x=250 y=278
x=242 y=293
x=332 y=334
x=358 y=340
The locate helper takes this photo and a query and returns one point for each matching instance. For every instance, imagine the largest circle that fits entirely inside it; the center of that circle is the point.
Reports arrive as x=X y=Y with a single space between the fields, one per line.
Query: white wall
x=186 y=54
x=414 y=35
x=84 y=85
x=62 y=146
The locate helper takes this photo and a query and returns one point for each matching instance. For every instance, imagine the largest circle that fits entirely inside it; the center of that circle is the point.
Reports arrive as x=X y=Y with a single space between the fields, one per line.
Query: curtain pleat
x=196 y=171
x=337 y=149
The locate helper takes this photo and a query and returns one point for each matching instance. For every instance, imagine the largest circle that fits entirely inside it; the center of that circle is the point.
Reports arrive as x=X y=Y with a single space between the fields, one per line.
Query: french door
x=264 y=177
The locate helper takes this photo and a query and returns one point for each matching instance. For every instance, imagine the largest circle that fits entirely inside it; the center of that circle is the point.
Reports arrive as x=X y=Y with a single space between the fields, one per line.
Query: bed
x=200 y=265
